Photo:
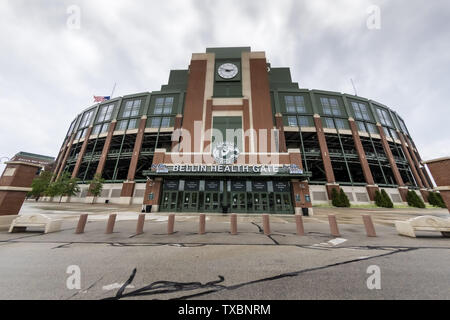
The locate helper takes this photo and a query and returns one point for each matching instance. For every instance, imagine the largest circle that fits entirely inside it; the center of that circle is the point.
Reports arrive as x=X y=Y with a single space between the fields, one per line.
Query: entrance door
x=238 y=202
x=210 y=202
x=282 y=201
x=261 y=202
x=169 y=201
x=190 y=201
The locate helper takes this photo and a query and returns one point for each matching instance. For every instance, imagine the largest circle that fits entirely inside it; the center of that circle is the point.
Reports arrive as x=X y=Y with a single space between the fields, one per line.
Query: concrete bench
x=425 y=223
x=49 y=225
x=5 y=222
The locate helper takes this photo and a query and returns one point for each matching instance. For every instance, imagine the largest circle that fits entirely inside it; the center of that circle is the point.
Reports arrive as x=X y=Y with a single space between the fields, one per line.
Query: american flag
x=101 y=99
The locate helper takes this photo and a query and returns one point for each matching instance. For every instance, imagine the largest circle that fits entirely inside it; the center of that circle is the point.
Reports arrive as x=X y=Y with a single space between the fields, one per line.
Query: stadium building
x=234 y=134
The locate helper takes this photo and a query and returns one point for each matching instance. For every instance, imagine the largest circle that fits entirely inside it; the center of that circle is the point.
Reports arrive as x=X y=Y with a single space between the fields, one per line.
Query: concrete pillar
x=280 y=127
x=101 y=163
x=440 y=170
x=371 y=187
x=398 y=178
x=81 y=154
x=410 y=160
x=15 y=183
x=66 y=155
x=331 y=180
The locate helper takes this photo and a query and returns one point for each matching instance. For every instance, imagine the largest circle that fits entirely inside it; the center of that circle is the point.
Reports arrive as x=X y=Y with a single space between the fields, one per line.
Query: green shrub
x=414 y=201
x=344 y=199
x=335 y=199
x=387 y=202
x=378 y=199
x=435 y=199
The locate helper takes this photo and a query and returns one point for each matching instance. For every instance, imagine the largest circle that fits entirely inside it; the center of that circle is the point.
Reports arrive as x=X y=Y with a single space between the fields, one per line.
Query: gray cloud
x=48 y=73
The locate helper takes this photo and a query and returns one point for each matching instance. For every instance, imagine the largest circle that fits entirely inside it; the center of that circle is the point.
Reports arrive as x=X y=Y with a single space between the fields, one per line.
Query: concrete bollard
x=266 y=224
x=202 y=224
x=233 y=219
x=333 y=226
x=170 y=224
x=140 y=224
x=81 y=224
x=300 y=227
x=111 y=223
x=368 y=224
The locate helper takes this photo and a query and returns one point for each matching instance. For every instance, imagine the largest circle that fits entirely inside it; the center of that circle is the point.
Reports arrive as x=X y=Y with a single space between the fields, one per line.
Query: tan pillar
x=81 y=154
x=371 y=187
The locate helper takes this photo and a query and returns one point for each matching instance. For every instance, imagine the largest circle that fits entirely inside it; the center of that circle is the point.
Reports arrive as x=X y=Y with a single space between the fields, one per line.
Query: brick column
x=129 y=185
x=300 y=191
x=153 y=190
x=63 y=162
x=398 y=178
x=440 y=170
x=416 y=162
x=81 y=154
x=371 y=187
x=178 y=124
x=280 y=127
x=101 y=163
x=331 y=180
x=15 y=183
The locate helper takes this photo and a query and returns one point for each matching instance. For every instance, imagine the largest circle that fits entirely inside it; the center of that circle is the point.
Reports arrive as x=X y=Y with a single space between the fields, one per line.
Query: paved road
x=221 y=266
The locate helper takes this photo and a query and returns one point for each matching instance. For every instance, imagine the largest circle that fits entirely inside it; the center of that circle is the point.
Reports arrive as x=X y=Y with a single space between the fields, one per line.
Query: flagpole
x=114 y=89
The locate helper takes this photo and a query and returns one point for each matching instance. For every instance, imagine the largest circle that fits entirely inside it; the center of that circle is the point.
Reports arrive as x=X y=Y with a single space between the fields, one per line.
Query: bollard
x=202 y=224
x=81 y=224
x=233 y=224
x=300 y=227
x=266 y=224
x=111 y=223
x=140 y=224
x=333 y=226
x=368 y=224
x=170 y=224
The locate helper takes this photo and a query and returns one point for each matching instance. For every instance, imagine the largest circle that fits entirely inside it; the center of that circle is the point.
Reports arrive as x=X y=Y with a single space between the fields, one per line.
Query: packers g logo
x=226 y=153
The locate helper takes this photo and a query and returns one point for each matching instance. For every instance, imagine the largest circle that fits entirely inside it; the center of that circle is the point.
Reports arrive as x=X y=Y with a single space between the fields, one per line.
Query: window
x=105 y=113
x=86 y=120
x=122 y=125
x=292 y=121
x=403 y=126
x=295 y=104
x=361 y=126
x=105 y=128
x=164 y=105
x=330 y=106
x=394 y=134
x=132 y=124
x=72 y=126
x=384 y=117
x=97 y=129
x=304 y=121
x=361 y=111
x=386 y=132
x=132 y=108
x=165 y=122
x=78 y=136
x=329 y=123
x=371 y=128
x=340 y=123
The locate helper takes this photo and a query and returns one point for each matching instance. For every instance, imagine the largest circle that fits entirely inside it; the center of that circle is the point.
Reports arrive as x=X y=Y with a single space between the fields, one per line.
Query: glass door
x=261 y=202
x=190 y=201
x=169 y=201
x=283 y=203
x=238 y=202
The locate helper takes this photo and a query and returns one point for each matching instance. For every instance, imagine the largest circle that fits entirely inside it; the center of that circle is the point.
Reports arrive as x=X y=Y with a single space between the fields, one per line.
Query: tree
x=440 y=200
x=435 y=199
x=40 y=184
x=339 y=199
x=335 y=199
x=64 y=186
x=344 y=199
x=387 y=202
x=96 y=186
x=414 y=201
x=378 y=199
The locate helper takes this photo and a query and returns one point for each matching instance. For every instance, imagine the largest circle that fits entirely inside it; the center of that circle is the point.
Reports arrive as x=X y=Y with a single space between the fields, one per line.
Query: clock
x=228 y=71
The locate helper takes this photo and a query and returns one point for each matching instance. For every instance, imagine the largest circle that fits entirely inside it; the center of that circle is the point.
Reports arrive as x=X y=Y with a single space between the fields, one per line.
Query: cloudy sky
x=49 y=71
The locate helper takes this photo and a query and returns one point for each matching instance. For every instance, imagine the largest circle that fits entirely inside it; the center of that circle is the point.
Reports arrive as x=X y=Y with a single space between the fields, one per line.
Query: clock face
x=228 y=71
